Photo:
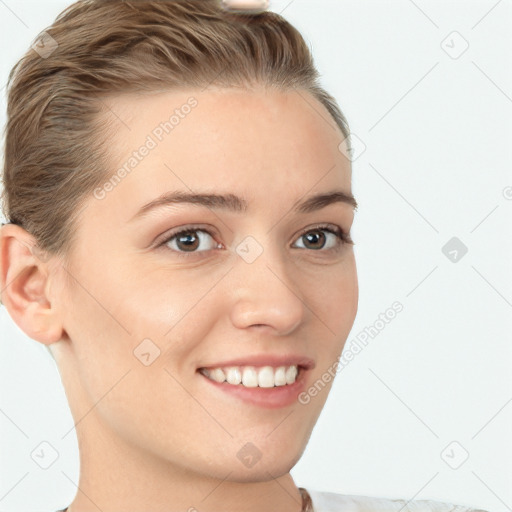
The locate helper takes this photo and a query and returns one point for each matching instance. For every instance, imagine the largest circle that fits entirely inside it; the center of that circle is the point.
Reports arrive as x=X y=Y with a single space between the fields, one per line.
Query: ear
x=24 y=285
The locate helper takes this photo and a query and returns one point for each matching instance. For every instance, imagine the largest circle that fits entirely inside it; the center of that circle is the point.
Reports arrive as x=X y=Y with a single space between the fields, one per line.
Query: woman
x=179 y=204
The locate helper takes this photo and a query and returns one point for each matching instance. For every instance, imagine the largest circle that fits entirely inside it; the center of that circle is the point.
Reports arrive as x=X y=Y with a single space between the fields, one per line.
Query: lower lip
x=269 y=398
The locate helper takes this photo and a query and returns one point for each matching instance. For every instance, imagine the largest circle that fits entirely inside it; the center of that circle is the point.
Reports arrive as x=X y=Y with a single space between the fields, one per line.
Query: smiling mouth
x=252 y=376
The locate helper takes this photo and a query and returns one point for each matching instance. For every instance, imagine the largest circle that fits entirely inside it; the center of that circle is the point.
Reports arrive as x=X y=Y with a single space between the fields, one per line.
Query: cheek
x=175 y=310
x=334 y=292
x=336 y=302
x=347 y=297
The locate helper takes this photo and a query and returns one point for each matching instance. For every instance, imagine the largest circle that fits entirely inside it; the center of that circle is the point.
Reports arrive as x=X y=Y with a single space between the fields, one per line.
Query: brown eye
x=324 y=237
x=189 y=240
x=314 y=239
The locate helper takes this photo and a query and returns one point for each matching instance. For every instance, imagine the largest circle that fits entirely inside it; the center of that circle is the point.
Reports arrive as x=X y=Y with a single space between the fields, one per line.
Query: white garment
x=332 y=502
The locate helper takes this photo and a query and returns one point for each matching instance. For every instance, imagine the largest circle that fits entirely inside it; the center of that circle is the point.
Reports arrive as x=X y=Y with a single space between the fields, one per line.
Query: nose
x=266 y=294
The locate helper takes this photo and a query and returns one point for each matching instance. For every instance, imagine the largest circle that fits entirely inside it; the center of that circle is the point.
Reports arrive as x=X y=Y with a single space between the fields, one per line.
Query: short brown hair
x=55 y=147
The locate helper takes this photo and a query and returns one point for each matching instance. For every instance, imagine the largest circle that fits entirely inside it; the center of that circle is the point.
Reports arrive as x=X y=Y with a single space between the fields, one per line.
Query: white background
x=437 y=165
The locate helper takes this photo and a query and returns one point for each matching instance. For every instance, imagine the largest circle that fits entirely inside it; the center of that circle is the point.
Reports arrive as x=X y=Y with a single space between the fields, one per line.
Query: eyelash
x=343 y=238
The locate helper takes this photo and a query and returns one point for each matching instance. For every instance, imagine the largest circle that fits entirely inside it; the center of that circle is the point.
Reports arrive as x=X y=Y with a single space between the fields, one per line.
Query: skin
x=160 y=437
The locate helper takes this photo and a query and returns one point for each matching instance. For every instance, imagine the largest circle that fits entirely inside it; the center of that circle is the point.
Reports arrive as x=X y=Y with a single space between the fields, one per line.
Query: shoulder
x=332 y=502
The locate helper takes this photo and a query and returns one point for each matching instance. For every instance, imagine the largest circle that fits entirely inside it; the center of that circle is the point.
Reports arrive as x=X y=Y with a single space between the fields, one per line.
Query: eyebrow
x=237 y=204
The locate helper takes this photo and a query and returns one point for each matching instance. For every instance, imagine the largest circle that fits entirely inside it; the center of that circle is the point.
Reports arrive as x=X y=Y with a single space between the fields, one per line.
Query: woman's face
x=257 y=281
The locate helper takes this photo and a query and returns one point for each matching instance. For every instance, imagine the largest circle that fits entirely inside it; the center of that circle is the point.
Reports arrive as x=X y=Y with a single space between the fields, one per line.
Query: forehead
x=241 y=141
x=290 y=121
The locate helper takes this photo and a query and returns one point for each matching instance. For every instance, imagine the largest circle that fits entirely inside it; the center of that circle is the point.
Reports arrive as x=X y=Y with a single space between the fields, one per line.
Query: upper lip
x=266 y=360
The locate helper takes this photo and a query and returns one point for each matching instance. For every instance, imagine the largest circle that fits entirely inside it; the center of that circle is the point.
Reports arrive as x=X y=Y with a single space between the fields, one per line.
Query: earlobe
x=23 y=281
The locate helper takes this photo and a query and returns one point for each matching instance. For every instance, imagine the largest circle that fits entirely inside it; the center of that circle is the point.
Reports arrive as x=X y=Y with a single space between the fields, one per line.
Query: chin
x=246 y=462
x=270 y=460
x=263 y=471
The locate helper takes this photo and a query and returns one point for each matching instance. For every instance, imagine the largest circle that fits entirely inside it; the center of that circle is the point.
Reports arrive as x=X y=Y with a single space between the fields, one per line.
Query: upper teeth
x=264 y=377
